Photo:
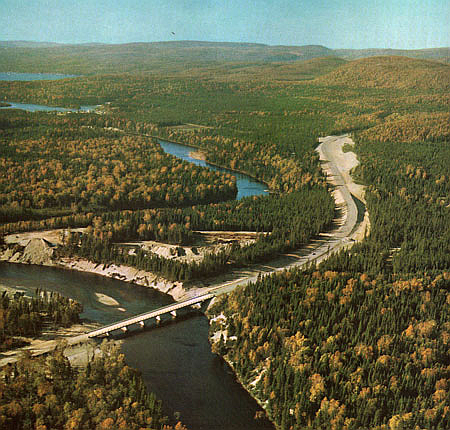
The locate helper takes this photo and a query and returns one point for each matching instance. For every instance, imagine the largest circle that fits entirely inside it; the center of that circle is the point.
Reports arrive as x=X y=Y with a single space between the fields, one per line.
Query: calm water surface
x=41 y=108
x=15 y=76
x=246 y=185
x=175 y=359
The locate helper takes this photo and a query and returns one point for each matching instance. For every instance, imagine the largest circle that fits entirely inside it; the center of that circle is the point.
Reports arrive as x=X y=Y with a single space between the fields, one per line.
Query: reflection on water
x=246 y=186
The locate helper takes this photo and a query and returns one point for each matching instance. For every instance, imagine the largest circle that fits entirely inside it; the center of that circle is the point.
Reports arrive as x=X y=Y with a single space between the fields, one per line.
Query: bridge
x=330 y=150
x=157 y=313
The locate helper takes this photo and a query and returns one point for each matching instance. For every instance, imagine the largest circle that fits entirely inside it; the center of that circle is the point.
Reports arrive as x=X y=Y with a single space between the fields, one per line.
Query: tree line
x=24 y=316
x=48 y=393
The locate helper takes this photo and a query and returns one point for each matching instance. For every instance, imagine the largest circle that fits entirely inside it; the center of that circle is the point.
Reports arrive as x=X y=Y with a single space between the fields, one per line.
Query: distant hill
x=390 y=72
x=160 y=57
x=27 y=44
x=292 y=71
x=439 y=54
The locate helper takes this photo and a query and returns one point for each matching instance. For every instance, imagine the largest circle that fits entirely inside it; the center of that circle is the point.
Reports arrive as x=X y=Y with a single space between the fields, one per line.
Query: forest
x=359 y=342
x=24 y=316
x=58 y=167
x=342 y=350
x=48 y=393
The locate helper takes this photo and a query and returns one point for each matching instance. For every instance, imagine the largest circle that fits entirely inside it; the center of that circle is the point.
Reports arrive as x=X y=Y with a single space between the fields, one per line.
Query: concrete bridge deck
x=139 y=319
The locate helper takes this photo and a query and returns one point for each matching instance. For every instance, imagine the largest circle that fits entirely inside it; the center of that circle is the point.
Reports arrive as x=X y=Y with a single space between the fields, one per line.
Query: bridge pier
x=171 y=309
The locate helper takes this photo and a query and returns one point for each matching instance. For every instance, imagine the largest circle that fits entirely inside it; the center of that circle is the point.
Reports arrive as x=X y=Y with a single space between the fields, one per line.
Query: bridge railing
x=147 y=315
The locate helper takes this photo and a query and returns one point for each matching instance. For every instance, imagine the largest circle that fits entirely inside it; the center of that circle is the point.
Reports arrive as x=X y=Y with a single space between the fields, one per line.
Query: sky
x=357 y=24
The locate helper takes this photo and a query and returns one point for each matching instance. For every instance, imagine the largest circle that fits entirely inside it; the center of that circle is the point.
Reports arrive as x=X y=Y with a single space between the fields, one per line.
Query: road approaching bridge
x=337 y=167
x=157 y=313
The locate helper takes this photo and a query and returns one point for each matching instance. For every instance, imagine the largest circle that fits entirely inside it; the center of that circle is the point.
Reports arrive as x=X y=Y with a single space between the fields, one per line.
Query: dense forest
x=408 y=198
x=359 y=342
x=25 y=316
x=53 y=165
x=48 y=393
x=324 y=349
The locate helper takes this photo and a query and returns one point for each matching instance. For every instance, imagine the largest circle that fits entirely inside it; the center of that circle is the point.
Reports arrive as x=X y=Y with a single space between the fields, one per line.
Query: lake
x=15 y=76
x=41 y=108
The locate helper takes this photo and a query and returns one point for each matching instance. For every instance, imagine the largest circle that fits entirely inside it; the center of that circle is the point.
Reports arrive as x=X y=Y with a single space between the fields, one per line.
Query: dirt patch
x=205 y=242
x=53 y=237
x=190 y=127
x=46 y=342
x=197 y=155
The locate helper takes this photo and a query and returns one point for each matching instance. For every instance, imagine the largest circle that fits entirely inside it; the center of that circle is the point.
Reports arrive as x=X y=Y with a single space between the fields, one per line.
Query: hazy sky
x=405 y=24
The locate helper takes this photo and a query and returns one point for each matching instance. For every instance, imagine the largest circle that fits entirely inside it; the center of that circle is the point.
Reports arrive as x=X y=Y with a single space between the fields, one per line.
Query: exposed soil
x=48 y=341
x=37 y=247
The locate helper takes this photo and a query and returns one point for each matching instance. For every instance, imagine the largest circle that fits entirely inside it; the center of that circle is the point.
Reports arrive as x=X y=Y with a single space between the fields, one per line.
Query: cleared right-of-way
x=347 y=229
x=348 y=226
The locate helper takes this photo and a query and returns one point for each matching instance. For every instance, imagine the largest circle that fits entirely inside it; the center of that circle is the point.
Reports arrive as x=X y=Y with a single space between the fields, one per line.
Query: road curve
x=337 y=165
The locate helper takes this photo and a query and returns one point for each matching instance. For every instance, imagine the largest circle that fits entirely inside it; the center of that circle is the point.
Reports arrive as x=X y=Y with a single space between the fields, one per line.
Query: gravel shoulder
x=347 y=230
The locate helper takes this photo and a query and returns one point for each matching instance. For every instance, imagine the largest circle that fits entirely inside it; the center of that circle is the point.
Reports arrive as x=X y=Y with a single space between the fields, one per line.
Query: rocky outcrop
x=37 y=251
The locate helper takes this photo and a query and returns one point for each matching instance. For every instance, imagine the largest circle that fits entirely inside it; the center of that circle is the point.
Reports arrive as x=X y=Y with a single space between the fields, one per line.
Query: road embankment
x=37 y=247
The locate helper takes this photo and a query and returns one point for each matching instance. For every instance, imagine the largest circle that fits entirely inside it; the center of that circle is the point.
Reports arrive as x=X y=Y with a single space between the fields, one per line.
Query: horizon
x=218 y=42
x=350 y=24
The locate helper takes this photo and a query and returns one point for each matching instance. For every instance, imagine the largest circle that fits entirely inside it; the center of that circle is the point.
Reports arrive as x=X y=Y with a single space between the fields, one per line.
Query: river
x=175 y=359
x=245 y=184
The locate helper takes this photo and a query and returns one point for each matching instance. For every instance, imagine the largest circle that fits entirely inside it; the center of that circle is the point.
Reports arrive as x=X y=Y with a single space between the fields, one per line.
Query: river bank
x=40 y=252
x=351 y=227
x=49 y=339
x=128 y=274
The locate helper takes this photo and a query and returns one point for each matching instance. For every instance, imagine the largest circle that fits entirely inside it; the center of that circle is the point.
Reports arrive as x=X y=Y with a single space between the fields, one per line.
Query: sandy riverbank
x=197 y=155
x=49 y=340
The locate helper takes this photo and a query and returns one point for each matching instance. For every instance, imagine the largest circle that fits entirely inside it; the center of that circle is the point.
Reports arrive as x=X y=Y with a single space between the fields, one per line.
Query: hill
x=439 y=54
x=26 y=44
x=92 y=58
x=390 y=72
x=158 y=56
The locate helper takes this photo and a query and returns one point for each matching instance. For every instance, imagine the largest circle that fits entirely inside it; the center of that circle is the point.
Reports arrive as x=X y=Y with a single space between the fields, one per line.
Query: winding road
x=337 y=166
x=349 y=226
